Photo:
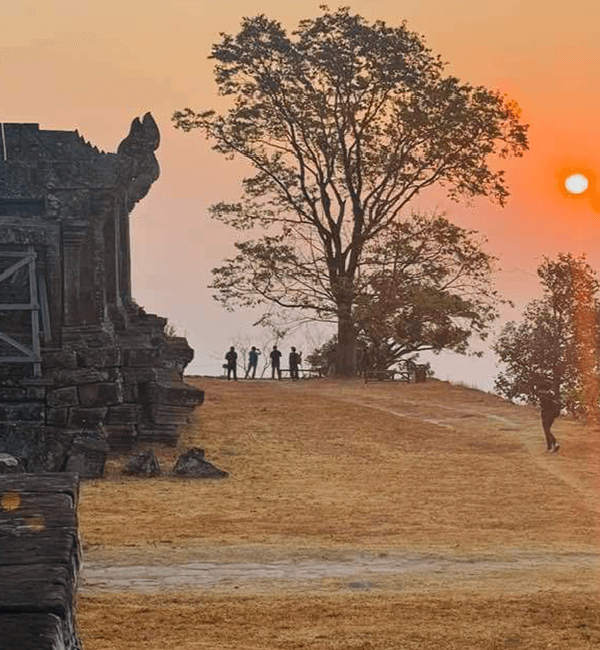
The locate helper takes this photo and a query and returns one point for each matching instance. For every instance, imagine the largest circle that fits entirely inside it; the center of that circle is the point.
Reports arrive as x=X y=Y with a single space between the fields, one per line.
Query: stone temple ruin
x=83 y=369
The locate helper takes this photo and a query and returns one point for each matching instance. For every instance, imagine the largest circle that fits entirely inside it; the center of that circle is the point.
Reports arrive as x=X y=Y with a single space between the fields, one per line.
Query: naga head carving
x=137 y=151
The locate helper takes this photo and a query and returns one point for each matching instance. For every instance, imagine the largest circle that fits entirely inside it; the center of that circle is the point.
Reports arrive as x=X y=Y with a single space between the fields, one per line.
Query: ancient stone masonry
x=40 y=557
x=82 y=367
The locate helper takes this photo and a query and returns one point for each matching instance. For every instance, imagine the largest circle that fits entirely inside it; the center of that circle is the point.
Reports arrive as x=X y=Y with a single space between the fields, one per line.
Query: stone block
x=142 y=357
x=12 y=393
x=83 y=376
x=42 y=448
x=57 y=417
x=103 y=394
x=86 y=337
x=100 y=357
x=58 y=360
x=10 y=465
x=45 y=484
x=138 y=375
x=124 y=414
x=164 y=434
x=36 y=393
x=169 y=390
x=181 y=395
x=176 y=354
x=39 y=562
x=130 y=392
x=192 y=464
x=120 y=437
x=50 y=450
x=22 y=412
x=63 y=397
x=87 y=457
x=144 y=464
x=86 y=418
x=53 y=512
x=29 y=631
x=140 y=385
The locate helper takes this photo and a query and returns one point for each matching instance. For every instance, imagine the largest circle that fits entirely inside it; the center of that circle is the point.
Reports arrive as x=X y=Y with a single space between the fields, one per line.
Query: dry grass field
x=380 y=515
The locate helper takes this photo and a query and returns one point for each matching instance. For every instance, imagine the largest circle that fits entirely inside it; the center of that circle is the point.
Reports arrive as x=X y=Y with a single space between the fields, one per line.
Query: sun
x=576 y=184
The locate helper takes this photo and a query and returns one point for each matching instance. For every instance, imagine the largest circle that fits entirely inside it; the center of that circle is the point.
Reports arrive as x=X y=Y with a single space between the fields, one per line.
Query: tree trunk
x=346 y=349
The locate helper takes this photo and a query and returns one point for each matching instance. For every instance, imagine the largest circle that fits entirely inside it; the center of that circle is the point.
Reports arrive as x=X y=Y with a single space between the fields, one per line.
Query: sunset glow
x=94 y=65
x=576 y=184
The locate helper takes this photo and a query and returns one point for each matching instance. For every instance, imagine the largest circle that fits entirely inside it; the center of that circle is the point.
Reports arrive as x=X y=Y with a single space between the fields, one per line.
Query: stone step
x=161 y=434
x=121 y=437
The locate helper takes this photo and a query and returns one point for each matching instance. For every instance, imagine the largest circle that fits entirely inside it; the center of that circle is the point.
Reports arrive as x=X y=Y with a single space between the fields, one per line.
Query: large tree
x=344 y=123
x=555 y=346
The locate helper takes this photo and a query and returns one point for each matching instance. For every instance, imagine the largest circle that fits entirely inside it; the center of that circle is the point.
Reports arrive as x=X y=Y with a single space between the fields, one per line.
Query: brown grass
x=443 y=622
x=318 y=465
x=379 y=467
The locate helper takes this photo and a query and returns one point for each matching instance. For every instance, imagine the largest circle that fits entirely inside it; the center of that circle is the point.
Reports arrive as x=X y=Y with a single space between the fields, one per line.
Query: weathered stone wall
x=82 y=367
x=40 y=556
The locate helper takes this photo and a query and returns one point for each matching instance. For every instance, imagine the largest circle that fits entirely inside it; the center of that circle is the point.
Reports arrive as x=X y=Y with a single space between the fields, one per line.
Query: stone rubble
x=192 y=464
x=143 y=464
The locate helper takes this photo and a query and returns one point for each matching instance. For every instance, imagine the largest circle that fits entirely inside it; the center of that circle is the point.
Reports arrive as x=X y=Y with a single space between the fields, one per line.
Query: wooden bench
x=303 y=373
x=380 y=375
x=407 y=371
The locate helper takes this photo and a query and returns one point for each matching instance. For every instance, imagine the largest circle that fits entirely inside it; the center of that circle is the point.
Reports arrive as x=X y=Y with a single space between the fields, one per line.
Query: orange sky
x=93 y=65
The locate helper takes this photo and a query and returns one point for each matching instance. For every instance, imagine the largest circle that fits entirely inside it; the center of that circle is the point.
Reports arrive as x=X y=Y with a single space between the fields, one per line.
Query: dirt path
x=518 y=572
x=524 y=428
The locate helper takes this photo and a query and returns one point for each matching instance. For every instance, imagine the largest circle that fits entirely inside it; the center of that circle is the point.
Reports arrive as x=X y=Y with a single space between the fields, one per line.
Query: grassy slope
x=326 y=465
x=321 y=463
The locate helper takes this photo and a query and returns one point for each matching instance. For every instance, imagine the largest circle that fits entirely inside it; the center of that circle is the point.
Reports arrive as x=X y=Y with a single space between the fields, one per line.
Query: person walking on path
x=295 y=360
x=231 y=358
x=549 y=410
x=275 y=362
x=252 y=361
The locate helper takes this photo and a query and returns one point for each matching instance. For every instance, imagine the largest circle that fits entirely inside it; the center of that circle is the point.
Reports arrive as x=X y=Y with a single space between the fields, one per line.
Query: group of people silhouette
x=294 y=359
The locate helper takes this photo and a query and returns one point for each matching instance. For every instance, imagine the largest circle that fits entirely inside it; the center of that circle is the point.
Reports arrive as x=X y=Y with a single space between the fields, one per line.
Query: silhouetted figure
x=365 y=360
x=549 y=409
x=275 y=362
x=295 y=359
x=252 y=361
x=231 y=358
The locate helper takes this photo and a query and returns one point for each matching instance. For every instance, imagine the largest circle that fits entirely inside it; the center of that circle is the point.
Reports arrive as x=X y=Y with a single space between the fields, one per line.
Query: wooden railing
x=28 y=354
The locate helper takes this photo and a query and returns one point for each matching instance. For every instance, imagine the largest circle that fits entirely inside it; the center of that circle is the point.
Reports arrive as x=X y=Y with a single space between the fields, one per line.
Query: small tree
x=555 y=345
x=344 y=124
x=425 y=285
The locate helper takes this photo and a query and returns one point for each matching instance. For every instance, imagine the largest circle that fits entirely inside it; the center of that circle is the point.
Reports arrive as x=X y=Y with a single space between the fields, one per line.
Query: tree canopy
x=344 y=123
x=555 y=346
x=425 y=285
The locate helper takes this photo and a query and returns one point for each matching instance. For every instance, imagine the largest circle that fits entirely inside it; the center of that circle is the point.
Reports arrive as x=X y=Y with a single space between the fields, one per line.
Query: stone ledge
x=40 y=558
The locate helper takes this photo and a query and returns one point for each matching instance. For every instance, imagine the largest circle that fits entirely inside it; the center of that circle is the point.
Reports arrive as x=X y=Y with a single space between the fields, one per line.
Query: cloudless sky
x=94 y=65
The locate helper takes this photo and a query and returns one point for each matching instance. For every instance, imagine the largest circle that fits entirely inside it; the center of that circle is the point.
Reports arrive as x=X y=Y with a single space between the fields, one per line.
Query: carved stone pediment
x=140 y=168
x=104 y=369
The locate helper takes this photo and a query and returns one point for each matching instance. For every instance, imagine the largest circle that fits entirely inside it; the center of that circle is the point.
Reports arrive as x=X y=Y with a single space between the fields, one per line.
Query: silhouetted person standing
x=252 y=361
x=231 y=358
x=294 y=360
x=275 y=362
x=549 y=410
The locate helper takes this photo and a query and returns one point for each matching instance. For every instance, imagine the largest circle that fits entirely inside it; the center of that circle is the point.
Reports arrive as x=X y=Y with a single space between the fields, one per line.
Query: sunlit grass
x=324 y=466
